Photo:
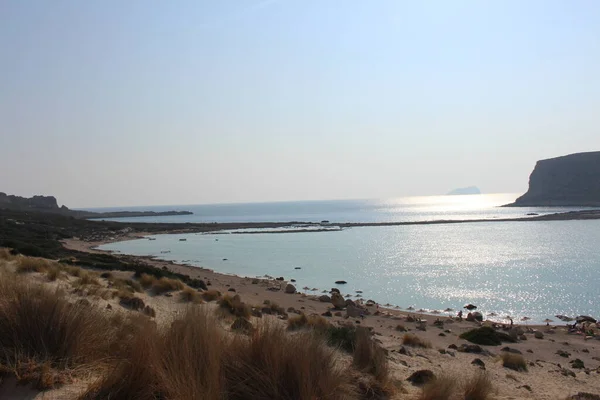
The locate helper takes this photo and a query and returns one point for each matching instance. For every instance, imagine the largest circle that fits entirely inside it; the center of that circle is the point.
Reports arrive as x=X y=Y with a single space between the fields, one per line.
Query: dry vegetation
x=195 y=358
x=211 y=295
x=312 y=321
x=49 y=338
x=44 y=338
x=189 y=295
x=513 y=361
x=160 y=286
x=410 y=339
x=478 y=387
x=440 y=388
x=234 y=306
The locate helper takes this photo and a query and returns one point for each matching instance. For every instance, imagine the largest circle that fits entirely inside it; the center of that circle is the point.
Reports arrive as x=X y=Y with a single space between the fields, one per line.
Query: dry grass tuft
x=53 y=273
x=479 y=387
x=42 y=331
x=234 y=306
x=32 y=264
x=513 y=361
x=87 y=278
x=211 y=295
x=369 y=357
x=194 y=359
x=164 y=285
x=410 y=339
x=146 y=280
x=312 y=321
x=189 y=295
x=440 y=388
x=273 y=364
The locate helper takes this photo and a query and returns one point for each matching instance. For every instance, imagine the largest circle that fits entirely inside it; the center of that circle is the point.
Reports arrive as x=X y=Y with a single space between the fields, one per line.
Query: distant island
x=464 y=191
x=571 y=181
x=49 y=204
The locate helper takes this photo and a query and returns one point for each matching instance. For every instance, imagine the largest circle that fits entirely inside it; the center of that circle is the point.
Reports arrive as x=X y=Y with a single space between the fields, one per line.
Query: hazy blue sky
x=107 y=103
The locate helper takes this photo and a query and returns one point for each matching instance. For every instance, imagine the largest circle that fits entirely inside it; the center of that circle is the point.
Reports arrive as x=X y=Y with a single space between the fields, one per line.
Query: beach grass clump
x=189 y=295
x=486 y=336
x=478 y=387
x=32 y=264
x=302 y=321
x=194 y=358
x=53 y=273
x=147 y=280
x=44 y=337
x=370 y=357
x=439 y=388
x=276 y=308
x=164 y=285
x=277 y=365
x=410 y=339
x=74 y=270
x=513 y=361
x=87 y=278
x=211 y=295
x=234 y=306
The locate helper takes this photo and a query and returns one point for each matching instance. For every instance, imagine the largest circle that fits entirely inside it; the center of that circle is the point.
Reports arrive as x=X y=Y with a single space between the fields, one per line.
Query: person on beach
x=460 y=315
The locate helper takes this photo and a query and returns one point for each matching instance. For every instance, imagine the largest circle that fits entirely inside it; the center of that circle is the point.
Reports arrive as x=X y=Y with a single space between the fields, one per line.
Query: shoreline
x=549 y=375
x=231 y=279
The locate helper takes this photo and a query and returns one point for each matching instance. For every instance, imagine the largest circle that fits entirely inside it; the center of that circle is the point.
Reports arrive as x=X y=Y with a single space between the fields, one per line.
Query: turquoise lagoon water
x=534 y=269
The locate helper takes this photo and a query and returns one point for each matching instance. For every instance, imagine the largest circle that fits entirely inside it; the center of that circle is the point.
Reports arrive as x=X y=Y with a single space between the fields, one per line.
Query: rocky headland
x=571 y=181
x=48 y=204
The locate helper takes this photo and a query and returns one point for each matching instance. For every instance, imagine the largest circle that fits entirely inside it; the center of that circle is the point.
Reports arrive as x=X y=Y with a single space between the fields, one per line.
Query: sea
x=530 y=271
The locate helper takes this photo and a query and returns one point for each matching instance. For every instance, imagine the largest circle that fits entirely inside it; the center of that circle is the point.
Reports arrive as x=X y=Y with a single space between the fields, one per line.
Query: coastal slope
x=48 y=204
x=571 y=180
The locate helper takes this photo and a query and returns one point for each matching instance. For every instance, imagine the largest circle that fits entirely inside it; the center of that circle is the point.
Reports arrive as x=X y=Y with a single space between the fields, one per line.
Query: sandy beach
x=550 y=375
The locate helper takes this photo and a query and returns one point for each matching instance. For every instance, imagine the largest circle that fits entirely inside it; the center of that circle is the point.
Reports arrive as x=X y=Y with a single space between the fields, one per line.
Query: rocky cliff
x=49 y=204
x=572 y=180
x=45 y=203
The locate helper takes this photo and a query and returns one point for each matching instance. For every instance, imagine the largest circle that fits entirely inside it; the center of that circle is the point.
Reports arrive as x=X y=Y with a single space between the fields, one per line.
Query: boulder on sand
x=337 y=300
x=290 y=289
x=353 y=311
x=324 y=299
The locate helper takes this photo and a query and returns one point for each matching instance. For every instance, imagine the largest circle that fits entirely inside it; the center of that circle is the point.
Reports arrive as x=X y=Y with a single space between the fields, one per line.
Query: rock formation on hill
x=572 y=180
x=48 y=204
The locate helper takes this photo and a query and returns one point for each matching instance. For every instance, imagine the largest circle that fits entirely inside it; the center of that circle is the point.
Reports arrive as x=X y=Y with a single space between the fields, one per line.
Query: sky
x=142 y=102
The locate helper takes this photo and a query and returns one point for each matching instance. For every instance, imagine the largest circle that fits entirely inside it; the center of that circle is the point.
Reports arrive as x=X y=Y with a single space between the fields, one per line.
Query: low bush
x=211 y=295
x=234 y=306
x=189 y=295
x=342 y=337
x=312 y=322
x=410 y=339
x=146 y=280
x=513 y=361
x=164 y=285
x=486 y=336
